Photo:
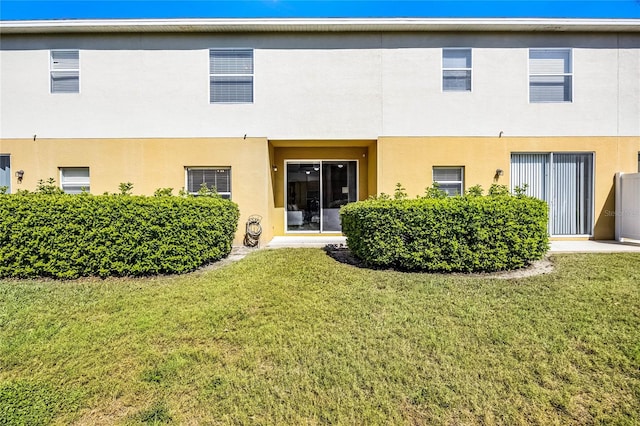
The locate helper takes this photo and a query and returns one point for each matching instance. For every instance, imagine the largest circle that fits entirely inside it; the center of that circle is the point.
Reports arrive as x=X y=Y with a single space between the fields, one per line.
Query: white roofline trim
x=317 y=25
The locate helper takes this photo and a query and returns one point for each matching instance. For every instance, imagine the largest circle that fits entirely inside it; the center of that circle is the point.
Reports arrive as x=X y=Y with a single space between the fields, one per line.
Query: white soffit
x=316 y=25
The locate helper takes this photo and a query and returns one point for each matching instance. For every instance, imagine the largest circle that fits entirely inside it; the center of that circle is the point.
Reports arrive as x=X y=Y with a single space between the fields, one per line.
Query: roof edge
x=318 y=25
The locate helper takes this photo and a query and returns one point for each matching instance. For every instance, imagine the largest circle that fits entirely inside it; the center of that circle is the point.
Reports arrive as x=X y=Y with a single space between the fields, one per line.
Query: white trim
x=549 y=189
x=63 y=184
x=320 y=161
x=569 y=74
x=317 y=25
x=10 y=175
x=51 y=70
x=461 y=182
x=186 y=178
x=443 y=69
x=252 y=75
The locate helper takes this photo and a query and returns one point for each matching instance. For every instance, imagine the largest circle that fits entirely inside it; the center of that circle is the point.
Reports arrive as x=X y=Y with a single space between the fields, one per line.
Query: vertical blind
x=550 y=78
x=530 y=170
x=565 y=181
x=231 y=76
x=65 y=71
x=572 y=195
x=5 y=171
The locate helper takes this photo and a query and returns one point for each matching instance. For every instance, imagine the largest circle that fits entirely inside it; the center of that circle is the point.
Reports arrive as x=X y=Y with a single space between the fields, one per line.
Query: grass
x=291 y=336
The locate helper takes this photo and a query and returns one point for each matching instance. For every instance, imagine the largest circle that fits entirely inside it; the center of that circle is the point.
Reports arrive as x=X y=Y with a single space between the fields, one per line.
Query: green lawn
x=291 y=336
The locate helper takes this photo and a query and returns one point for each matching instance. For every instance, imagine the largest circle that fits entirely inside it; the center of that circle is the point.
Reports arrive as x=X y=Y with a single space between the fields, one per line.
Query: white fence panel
x=627 y=212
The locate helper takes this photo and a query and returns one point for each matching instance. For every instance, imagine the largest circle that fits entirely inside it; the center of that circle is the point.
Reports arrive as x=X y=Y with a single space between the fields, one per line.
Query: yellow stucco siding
x=151 y=164
x=410 y=161
x=258 y=189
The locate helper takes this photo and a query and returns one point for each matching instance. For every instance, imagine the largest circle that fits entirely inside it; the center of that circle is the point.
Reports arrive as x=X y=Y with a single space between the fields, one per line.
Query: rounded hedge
x=463 y=234
x=70 y=236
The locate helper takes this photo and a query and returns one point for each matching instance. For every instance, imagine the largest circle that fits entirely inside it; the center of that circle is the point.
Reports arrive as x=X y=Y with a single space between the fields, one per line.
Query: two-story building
x=293 y=118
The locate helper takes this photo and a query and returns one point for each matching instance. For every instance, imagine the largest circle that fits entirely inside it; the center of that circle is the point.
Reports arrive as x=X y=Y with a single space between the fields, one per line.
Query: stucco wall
x=151 y=164
x=316 y=86
x=410 y=161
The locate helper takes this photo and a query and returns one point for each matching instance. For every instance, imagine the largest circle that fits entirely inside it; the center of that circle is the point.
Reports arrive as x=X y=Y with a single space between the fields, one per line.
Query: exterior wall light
x=499 y=172
x=274 y=167
x=20 y=175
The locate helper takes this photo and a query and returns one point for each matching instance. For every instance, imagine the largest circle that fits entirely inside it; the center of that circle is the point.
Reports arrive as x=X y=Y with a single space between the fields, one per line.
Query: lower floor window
x=74 y=180
x=212 y=178
x=449 y=179
x=565 y=182
x=5 y=172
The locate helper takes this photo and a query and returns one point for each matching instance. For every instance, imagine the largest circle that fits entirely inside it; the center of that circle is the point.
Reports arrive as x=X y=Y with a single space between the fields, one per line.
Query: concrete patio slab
x=587 y=246
x=591 y=246
x=304 y=241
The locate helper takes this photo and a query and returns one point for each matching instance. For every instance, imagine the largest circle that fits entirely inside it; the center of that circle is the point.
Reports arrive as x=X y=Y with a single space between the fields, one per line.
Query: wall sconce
x=20 y=175
x=274 y=168
x=499 y=172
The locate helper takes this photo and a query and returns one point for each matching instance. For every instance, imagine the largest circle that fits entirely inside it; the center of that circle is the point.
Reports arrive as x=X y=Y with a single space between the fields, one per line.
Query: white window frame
x=470 y=69
x=8 y=157
x=252 y=74
x=563 y=74
x=223 y=194
x=549 y=186
x=449 y=182
x=82 y=184
x=52 y=71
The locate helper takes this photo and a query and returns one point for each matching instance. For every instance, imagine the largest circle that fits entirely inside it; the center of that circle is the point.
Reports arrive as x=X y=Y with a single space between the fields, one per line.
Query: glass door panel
x=338 y=188
x=303 y=196
x=5 y=172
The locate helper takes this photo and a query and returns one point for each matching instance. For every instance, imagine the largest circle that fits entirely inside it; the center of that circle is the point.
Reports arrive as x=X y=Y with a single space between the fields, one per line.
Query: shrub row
x=467 y=234
x=69 y=236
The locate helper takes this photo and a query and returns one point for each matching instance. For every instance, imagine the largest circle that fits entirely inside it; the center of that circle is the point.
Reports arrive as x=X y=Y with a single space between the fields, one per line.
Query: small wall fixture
x=274 y=167
x=20 y=175
x=500 y=134
x=499 y=172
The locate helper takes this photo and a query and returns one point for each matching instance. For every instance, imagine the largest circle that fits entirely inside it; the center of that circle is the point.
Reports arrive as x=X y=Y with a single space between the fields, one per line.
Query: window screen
x=231 y=76
x=456 y=70
x=65 y=71
x=550 y=75
x=218 y=178
x=74 y=180
x=449 y=179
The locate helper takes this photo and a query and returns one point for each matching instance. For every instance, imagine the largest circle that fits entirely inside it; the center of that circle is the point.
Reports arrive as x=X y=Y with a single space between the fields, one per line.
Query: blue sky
x=86 y=9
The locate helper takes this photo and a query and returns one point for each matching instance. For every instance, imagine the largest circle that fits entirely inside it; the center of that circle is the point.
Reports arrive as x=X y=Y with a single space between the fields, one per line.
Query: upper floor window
x=449 y=179
x=550 y=75
x=231 y=76
x=456 y=70
x=216 y=178
x=65 y=71
x=74 y=180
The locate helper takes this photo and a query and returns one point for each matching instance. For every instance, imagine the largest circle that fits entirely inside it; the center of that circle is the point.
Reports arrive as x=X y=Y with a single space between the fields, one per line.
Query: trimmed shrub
x=470 y=233
x=70 y=236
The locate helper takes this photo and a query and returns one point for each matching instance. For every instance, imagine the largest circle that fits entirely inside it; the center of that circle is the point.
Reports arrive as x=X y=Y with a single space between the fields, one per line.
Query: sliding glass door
x=315 y=191
x=565 y=182
x=5 y=172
